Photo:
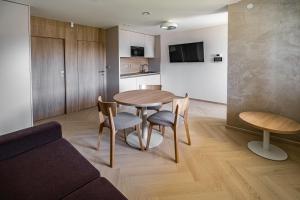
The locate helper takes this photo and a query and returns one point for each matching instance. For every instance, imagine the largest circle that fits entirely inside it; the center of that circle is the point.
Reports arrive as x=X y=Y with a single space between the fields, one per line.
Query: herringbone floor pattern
x=218 y=165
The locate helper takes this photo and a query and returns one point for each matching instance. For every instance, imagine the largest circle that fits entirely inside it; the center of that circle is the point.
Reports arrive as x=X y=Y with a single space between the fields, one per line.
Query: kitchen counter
x=131 y=75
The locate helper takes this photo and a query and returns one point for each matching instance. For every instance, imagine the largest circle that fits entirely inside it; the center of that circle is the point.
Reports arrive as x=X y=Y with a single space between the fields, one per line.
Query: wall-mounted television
x=189 y=52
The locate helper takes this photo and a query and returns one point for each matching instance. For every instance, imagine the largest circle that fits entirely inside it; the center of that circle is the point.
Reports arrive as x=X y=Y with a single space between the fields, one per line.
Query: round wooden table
x=269 y=122
x=144 y=99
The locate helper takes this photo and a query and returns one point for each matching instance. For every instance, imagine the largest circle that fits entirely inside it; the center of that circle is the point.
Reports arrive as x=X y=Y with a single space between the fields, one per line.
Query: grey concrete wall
x=264 y=59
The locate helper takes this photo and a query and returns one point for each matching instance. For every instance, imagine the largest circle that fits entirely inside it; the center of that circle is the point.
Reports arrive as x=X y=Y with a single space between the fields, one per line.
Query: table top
x=270 y=122
x=144 y=98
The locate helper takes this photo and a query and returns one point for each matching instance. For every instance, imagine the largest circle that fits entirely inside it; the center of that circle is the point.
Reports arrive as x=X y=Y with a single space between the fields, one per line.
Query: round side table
x=269 y=123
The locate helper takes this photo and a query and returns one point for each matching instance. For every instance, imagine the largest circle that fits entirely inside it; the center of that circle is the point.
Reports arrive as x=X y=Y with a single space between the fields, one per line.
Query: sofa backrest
x=18 y=142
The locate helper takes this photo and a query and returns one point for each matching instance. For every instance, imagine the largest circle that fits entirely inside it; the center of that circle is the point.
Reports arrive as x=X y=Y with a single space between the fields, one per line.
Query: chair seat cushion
x=124 y=120
x=165 y=118
x=151 y=108
x=49 y=172
x=99 y=189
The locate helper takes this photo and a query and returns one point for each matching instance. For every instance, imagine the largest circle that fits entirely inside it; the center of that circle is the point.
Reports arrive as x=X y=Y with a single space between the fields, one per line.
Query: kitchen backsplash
x=133 y=64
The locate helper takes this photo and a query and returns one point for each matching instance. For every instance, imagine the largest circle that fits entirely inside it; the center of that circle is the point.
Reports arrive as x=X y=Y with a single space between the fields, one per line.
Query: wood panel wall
x=43 y=27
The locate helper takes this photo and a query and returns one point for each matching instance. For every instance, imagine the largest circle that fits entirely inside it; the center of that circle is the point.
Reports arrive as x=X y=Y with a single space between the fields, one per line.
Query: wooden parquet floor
x=218 y=165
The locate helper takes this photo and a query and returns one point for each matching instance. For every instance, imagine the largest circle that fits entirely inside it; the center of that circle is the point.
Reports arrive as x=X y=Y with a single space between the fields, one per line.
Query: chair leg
x=149 y=135
x=163 y=130
x=112 y=147
x=187 y=131
x=125 y=135
x=176 y=144
x=137 y=127
x=99 y=136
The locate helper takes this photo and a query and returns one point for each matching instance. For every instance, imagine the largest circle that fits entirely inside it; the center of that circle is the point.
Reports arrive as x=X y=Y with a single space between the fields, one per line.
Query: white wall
x=15 y=75
x=205 y=81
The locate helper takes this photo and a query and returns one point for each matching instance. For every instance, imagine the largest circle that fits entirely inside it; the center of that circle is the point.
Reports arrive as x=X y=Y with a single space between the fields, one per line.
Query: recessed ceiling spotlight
x=168 y=25
x=250 y=6
x=146 y=13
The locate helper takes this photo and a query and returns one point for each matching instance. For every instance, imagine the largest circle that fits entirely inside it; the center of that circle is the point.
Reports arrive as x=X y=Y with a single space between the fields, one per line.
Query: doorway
x=48 y=78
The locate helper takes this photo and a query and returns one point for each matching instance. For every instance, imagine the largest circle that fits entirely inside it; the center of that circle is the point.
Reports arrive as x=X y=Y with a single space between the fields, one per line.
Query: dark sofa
x=37 y=163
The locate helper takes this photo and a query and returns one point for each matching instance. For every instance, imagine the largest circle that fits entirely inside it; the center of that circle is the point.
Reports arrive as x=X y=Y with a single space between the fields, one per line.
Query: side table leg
x=266 y=141
x=267 y=150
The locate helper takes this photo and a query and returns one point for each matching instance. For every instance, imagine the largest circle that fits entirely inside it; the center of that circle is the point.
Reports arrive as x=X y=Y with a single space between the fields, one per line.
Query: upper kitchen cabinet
x=124 y=43
x=149 y=46
x=129 y=38
x=137 y=39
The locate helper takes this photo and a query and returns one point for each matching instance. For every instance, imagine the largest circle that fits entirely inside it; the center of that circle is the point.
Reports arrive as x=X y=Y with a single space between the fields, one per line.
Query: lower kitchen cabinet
x=133 y=83
x=127 y=84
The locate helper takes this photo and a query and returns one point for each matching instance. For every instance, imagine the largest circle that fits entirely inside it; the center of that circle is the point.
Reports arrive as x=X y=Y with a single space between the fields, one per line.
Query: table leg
x=144 y=124
x=267 y=150
x=156 y=137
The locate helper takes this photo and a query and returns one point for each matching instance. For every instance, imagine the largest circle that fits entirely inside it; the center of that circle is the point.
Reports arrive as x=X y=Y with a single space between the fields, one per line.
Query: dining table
x=144 y=99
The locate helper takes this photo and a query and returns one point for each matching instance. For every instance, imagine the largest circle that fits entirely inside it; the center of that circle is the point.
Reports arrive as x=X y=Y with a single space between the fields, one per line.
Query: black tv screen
x=190 y=52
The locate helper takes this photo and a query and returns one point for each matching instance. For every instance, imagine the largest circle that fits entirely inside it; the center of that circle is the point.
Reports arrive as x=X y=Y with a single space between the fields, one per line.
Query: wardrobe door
x=48 y=80
x=90 y=73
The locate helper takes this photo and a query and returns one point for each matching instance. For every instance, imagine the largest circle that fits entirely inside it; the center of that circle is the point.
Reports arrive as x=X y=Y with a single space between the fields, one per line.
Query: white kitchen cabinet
x=148 y=80
x=129 y=38
x=134 y=83
x=137 y=39
x=149 y=46
x=127 y=84
x=124 y=43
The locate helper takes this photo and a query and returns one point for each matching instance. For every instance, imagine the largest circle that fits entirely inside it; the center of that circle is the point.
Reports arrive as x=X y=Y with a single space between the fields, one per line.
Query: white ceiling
x=189 y=14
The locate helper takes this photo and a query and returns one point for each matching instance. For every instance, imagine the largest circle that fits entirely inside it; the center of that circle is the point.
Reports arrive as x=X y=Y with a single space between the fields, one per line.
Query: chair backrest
x=150 y=87
x=180 y=106
x=106 y=109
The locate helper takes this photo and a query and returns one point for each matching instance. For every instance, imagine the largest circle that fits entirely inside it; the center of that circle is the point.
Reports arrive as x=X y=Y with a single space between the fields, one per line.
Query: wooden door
x=48 y=81
x=90 y=73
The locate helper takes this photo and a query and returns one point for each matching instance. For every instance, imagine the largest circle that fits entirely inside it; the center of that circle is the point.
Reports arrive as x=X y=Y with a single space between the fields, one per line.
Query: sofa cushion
x=21 y=141
x=49 y=172
x=99 y=189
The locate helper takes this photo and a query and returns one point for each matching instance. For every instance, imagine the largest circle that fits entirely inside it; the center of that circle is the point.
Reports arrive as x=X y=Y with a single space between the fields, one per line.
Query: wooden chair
x=180 y=107
x=149 y=87
x=109 y=118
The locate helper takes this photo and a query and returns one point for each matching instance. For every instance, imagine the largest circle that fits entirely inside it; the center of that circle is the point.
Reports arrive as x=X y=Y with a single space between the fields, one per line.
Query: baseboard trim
x=206 y=101
x=209 y=101
x=276 y=138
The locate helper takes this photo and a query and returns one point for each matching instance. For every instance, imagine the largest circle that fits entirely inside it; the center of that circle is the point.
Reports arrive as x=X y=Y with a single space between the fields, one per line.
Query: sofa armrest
x=18 y=142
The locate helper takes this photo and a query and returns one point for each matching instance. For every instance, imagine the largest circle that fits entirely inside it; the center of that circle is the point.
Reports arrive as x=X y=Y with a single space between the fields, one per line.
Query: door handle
x=101 y=71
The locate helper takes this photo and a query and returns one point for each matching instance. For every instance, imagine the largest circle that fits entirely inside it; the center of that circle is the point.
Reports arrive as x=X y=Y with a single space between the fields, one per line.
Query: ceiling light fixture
x=146 y=13
x=168 y=25
x=250 y=6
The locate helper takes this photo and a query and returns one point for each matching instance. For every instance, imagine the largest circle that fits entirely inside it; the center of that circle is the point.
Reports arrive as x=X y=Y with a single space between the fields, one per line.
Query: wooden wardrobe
x=68 y=67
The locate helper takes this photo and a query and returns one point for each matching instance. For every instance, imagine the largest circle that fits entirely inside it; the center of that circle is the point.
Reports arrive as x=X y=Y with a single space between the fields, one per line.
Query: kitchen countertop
x=131 y=75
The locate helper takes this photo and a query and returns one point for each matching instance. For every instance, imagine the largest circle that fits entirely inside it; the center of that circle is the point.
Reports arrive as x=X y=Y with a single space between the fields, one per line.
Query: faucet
x=143 y=69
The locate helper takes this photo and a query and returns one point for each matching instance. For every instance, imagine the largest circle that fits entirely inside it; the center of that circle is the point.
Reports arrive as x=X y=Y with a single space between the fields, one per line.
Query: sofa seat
x=99 y=189
x=51 y=171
